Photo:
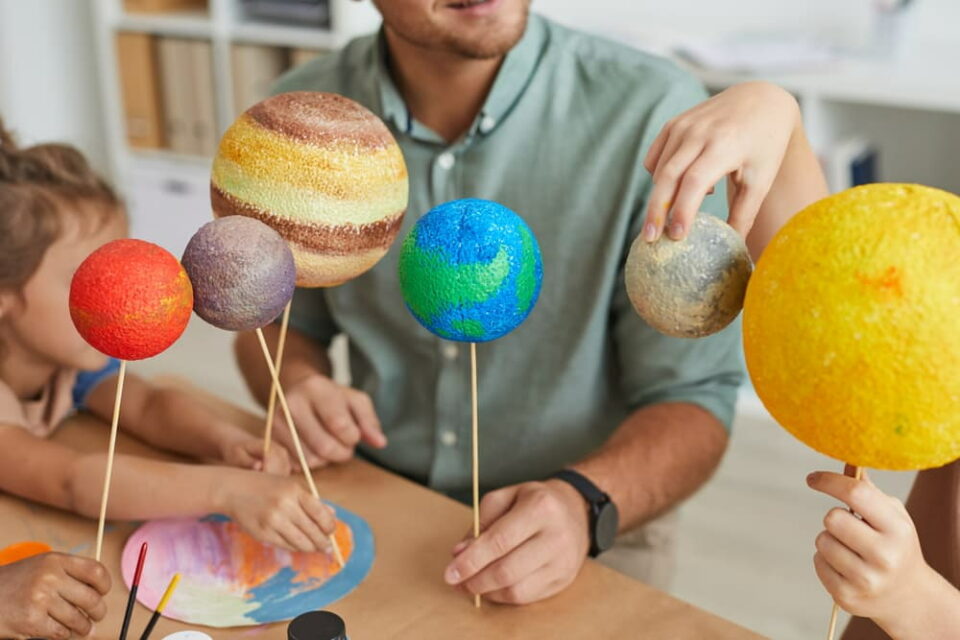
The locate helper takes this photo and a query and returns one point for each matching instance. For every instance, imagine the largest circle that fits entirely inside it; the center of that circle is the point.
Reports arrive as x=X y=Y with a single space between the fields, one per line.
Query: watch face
x=608 y=522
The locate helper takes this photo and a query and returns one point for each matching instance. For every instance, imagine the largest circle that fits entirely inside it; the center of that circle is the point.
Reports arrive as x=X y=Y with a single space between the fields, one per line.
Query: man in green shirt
x=487 y=101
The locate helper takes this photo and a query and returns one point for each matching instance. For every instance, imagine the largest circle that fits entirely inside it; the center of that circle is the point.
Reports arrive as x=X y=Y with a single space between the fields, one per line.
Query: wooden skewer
x=476 y=452
x=272 y=403
x=858 y=474
x=296 y=438
x=105 y=496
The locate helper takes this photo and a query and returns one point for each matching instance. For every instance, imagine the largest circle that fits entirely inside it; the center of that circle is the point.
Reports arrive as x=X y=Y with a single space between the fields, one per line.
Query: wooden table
x=404 y=595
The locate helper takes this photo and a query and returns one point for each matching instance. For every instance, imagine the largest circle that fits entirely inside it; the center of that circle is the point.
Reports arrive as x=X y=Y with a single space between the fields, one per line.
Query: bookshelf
x=173 y=81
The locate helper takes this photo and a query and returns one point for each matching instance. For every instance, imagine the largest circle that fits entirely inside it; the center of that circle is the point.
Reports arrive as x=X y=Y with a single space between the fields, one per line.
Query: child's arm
x=753 y=134
x=52 y=596
x=274 y=509
x=873 y=566
x=170 y=419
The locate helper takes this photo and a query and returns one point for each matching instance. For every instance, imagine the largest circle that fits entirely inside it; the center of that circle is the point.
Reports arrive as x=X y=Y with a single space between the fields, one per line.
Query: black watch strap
x=590 y=492
x=602 y=511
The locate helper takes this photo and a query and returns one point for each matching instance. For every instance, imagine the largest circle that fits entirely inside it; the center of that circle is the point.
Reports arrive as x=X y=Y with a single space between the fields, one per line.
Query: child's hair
x=41 y=187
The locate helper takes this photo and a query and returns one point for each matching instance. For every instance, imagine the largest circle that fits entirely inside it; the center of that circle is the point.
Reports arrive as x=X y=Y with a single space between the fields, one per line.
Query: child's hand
x=52 y=596
x=331 y=420
x=871 y=565
x=279 y=511
x=247 y=453
x=742 y=133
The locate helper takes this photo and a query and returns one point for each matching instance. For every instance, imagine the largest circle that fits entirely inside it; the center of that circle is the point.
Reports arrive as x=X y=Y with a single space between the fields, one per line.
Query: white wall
x=48 y=81
x=844 y=22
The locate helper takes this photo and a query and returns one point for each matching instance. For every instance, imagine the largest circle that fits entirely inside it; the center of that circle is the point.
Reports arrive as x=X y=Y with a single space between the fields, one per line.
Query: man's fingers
x=70 y=617
x=366 y=418
x=862 y=497
x=501 y=538
x=495 y=504
x=539 y=585
x=513 y=568
x=89 y=572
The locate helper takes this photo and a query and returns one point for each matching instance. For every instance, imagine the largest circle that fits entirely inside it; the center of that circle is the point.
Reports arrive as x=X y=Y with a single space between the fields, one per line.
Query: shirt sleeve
x=655 y=368
x=310 y=315
x=87 y=381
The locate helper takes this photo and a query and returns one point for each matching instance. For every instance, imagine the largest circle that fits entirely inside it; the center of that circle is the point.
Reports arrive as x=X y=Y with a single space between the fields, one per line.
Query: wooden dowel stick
x=272 y=402
x=105 y=496
x=476 y=451
x=296 y=438
x=858 y=474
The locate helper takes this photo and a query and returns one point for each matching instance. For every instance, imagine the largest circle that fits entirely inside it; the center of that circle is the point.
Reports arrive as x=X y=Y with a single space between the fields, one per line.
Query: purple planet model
x=242 y=272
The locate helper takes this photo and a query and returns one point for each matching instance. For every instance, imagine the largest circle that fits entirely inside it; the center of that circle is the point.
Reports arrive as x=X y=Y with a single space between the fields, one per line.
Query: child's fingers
x=319 y=513
x=656 y=149
x=666 y=181
x=862 y=497
x=852 y=532
x=294 y=537
x=70 y=617
x=839 y=557
x=745 y=207
x=89 y=572
x=699 y=178
x=52 y=629
x=832 y=581
x=312 y=531
x=85 y=598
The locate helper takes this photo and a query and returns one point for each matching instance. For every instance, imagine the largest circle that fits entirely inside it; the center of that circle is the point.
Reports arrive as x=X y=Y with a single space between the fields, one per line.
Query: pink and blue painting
x=230 y=580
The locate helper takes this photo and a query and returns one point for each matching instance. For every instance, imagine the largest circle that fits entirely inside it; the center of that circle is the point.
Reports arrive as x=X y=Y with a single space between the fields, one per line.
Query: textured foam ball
x=692 y=287
x=324 y=172
x=470 y=270
x=130 y=299
x=242 y=271
x=852 y=326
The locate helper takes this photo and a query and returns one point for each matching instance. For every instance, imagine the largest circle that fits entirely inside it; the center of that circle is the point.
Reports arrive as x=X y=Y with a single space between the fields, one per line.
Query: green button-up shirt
x=560 y=140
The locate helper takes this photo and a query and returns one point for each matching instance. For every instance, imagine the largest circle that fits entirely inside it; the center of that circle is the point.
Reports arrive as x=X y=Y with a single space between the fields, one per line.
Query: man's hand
x=331 y=420
x=534 y=540
x=52 y=596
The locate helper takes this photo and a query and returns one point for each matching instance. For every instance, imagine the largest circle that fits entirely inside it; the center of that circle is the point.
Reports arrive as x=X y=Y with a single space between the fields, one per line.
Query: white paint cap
x=188 y=635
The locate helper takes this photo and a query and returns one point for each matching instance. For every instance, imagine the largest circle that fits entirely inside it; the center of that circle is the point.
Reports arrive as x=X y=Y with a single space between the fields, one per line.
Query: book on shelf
x=176 y=79
x=189 y=101
x=205 y=133
x=255 y=69
x=138 y=67
x=163 y=6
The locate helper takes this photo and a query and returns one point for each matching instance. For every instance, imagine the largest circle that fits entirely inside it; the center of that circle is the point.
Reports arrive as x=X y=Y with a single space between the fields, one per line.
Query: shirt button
x=487 y=123
x=446 y=160
x=448 y=438
x=450 y=351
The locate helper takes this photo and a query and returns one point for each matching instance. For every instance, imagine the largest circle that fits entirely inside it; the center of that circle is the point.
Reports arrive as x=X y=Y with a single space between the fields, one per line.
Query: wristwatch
x=604 y=517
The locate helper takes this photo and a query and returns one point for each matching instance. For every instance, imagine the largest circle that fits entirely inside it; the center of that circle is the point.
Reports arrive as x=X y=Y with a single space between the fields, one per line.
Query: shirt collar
x=512 y=79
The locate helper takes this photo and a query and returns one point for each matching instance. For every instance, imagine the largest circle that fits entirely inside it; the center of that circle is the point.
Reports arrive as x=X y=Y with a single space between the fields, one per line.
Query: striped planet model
x=323 y=171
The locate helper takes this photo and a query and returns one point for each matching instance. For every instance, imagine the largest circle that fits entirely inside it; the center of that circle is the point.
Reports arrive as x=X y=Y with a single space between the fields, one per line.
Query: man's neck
x=443 y=91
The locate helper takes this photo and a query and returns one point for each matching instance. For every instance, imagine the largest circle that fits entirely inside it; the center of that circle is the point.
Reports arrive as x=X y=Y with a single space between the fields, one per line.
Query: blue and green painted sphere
x=470 y=270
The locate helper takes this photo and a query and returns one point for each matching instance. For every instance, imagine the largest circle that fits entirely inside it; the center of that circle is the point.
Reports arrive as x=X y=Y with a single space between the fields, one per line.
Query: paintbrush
x=163 y=603
x=133 y=592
